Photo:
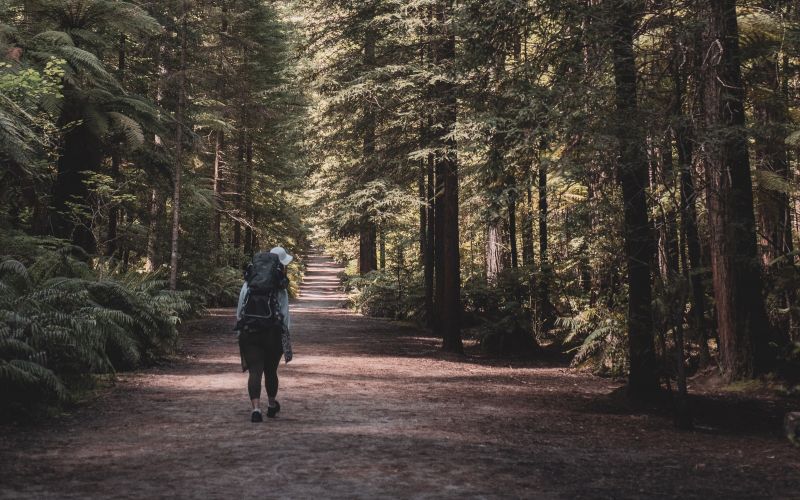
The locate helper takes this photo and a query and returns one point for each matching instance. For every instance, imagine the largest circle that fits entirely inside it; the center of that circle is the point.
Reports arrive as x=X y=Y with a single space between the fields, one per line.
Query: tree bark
x=496 y=256
x=741 y=314
x=81 y=151
x=445 y=91
x=152 y=261
x=430 y=243
x=512 y=230
x=632 y=174
x=692 y=262
x=367 y=249
x=367 y=258
x=116 y=160
x=238 y=196
x=527 y=225
x=423 y=213
x=113 y=211
x=216 y=224
x=382 y=251
x=176 y=197
x=249 y=250
x=545 y=310
x=774 y=213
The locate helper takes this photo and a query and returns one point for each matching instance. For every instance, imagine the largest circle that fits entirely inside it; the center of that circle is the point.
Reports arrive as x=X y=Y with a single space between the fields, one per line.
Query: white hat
x=284 y=257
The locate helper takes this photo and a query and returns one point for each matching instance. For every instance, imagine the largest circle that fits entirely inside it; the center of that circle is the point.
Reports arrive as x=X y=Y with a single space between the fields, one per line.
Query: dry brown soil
x=372 y=409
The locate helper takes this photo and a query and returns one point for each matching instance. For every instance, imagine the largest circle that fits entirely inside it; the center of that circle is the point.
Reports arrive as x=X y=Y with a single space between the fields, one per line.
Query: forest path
x=372 y=409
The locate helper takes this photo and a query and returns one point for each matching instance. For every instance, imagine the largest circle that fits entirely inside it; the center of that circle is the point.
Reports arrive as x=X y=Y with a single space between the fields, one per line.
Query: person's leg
x=254 y=384
x=254 y=356
x=272 y=361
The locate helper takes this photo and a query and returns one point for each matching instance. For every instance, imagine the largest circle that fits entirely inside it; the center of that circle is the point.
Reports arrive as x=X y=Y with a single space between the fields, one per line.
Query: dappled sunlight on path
x=372 y=409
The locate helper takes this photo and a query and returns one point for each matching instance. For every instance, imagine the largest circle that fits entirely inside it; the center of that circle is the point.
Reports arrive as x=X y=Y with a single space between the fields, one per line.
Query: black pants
x=261 y=352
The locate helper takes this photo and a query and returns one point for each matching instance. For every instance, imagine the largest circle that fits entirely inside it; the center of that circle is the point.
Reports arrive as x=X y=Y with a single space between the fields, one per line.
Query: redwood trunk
x=367 y=256
x=632 y=175
x=741 y=315
x=774 y=212
x=430 y=244
x=445 y=91
x=692 y=264
x=545 y=310
x=176 y=197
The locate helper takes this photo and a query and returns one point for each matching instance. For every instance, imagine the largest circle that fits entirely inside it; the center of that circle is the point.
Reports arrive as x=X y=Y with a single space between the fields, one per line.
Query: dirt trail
x=371 y=409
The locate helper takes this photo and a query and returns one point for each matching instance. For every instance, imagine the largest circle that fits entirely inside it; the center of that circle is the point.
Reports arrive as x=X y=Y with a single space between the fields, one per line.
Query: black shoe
x=256 y=416
x=273 y=410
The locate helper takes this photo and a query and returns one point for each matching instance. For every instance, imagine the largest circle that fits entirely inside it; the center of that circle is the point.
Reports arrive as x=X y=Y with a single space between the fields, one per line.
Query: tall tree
x=633 y=177
x=179 y=126
x=741 y=315
x=446 y=111
x=368 y=232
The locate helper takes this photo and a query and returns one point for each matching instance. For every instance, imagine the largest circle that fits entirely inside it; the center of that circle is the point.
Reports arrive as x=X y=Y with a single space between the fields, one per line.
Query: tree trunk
x=367 y=249
x=774 y=213
x=113 y=211
x=545 y=310
x=741 y=315
x=81 y=150
x=512 y=230
x=430 y=243
x=692 y=265
x=423 y=213
x=445 y=91
x=439 y=221
x=237 y=203
x=368 y=260
x=668 y=250
x=219 y=143
x=152 y=261
x=585 y=263
x=176 y=197
x=382 y=246
x=246 y=201
x=527 y=226
x=497 y=232
x=116 y=160
x=216 y=224
x=632 y=174
x=495 y=250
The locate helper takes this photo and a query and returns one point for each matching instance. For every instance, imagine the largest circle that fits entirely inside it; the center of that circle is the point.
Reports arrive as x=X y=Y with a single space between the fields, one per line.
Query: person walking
x=263 y=326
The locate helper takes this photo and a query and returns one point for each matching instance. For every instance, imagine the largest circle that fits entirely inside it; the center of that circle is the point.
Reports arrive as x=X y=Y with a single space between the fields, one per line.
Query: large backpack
x=265 y=277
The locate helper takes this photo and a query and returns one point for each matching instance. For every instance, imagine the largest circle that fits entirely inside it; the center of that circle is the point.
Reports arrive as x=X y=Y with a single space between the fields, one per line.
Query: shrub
x=501 y=311
x=61 y=321
x=382 y=294
x=600 y=340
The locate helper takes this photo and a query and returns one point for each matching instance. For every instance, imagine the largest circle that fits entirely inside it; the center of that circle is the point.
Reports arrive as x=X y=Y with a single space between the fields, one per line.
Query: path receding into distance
x=372 y=409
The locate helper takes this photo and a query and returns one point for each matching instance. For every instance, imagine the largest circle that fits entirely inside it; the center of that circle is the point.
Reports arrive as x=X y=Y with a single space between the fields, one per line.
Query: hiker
x=263 y=326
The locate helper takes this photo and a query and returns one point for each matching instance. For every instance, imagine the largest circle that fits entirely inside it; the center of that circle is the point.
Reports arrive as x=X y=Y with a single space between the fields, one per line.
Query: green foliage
x=61 y=320
x=215 y=286
x=381 y=294
x=27 y=125
x=600 y=340
x=500 y=312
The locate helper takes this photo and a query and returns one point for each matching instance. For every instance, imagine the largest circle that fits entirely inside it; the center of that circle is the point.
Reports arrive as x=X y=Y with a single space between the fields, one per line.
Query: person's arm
x=283 y=303
x=242 y=295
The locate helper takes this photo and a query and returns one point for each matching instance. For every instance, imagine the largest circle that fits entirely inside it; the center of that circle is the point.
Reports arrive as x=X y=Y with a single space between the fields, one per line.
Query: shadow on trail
x=373 y=409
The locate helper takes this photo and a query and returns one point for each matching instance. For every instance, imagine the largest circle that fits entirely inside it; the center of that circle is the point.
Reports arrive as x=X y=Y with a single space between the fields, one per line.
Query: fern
x=59 y=317
x=601 y=340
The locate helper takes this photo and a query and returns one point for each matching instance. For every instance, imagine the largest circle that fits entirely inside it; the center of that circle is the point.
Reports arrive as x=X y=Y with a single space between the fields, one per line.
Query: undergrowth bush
x=381 y=294
x=599 y=338
x=218 y=287
x=500 y=313
x=61 y=320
